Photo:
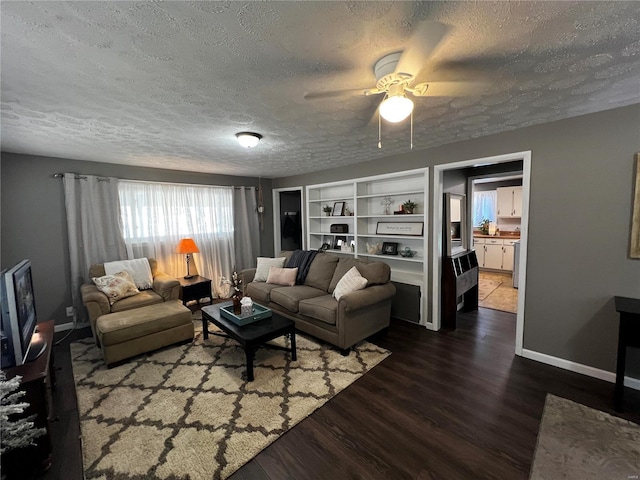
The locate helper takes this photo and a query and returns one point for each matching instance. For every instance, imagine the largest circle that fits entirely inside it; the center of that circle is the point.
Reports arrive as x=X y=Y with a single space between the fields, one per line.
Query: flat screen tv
x=21 y=343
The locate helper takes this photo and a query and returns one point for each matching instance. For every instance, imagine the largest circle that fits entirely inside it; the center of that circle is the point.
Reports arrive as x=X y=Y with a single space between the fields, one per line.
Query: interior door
x=289 y=226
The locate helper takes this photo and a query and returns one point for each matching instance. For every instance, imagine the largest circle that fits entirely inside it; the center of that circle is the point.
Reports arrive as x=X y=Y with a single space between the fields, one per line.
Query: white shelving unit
x=366 y=199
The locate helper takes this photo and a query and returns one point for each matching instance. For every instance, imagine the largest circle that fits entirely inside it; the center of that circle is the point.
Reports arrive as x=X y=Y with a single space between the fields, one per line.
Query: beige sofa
x=165 y=288
x=315 y=311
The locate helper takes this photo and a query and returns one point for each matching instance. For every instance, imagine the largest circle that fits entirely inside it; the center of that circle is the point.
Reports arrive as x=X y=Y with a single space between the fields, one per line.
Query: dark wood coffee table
x=250 y=336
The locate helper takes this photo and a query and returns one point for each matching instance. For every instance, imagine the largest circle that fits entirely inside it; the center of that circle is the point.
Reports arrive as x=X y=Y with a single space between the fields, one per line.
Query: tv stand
x=38 y=383
x=37 y=347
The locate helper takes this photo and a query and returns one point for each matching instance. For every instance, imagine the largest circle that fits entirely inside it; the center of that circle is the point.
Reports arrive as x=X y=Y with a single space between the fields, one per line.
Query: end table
x=195 y=288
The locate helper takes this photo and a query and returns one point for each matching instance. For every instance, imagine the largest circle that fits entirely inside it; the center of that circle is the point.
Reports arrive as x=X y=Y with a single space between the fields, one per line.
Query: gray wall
x=580 y=215
x=34 y=220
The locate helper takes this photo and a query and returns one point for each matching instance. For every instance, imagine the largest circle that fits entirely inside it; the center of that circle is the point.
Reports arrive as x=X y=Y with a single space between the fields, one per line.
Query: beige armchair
x=164 y=289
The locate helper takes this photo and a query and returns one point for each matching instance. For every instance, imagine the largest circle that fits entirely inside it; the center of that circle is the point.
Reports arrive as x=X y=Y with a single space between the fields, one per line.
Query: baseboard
x=579 y=368
x=68 y=326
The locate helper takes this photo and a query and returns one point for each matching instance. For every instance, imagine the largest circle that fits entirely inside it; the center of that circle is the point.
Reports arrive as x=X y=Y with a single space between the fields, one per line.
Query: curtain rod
x=101 y=179
x=80 y=177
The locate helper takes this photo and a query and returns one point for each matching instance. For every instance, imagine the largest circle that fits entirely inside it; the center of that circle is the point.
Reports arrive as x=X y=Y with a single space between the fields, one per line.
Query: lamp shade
x=248 y=139
x=187 y=245
x=396 y=108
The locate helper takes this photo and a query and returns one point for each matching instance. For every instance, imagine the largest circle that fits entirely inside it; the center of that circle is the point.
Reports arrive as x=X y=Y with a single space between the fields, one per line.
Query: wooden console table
x=629 y=336
x=38 y=381
x=459 y=279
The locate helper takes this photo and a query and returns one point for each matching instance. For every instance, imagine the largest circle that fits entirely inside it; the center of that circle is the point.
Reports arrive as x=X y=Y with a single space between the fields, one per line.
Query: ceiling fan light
x=248 y=139
x=396 y=108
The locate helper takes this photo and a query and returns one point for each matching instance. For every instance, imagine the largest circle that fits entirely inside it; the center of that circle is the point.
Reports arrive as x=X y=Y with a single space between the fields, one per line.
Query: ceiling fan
x=398 y=76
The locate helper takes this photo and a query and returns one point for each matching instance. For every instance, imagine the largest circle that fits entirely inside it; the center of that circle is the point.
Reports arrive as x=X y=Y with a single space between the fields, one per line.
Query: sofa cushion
x=321 y=271
x=282 y=276
x=350 y=282
x=143 y=299
x=262 y=268
x=322 y=308
x=260 y=292
x=290 y=297
x=116 y=286
x=376 y=273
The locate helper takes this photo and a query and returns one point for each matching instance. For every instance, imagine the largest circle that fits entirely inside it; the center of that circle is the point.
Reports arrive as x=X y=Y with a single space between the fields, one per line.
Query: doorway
x=437 y=232
x=495 y=210
x=287 y=219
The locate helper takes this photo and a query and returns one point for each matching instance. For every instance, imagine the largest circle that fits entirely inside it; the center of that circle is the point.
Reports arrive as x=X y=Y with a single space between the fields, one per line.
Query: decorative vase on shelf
x=237 y=306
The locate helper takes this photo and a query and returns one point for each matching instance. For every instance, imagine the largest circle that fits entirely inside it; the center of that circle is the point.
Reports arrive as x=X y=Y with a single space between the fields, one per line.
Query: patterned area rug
x=486 y=287
x=579 y=443
x=188 y=412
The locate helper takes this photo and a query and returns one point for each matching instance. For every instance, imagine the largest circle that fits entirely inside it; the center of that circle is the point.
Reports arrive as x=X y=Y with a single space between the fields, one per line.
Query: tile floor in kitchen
x=505 y=297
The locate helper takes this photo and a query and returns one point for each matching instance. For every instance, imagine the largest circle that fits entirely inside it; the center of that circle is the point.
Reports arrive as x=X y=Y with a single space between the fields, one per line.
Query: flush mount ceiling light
x=248 y=139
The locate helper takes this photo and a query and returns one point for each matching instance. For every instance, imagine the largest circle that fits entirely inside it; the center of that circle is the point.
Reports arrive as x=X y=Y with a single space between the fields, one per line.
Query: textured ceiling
x=168 y=84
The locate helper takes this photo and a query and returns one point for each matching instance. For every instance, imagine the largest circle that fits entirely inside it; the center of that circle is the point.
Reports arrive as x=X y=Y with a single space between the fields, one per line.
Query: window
x=156 y=216
x=484 y=206
x=156 y=210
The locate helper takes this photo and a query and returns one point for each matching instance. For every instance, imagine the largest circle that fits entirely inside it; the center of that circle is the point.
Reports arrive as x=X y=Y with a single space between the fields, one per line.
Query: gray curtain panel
x=246 y=227
x=94 y=226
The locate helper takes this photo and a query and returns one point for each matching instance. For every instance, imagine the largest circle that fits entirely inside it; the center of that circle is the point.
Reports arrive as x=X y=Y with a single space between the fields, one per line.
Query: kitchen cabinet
x=509 y=202
x=507 y=257
x=495 y=253
x=493 y=256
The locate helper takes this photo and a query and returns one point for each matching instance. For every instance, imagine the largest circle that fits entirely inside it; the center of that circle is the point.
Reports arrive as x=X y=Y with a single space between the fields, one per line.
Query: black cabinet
x=459 y=284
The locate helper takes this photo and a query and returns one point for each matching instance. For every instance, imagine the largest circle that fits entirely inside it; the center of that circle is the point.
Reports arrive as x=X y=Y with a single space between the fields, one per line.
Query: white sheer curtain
x=247 y=229
x=94 y=226
x=157 y=215
x=484 y=206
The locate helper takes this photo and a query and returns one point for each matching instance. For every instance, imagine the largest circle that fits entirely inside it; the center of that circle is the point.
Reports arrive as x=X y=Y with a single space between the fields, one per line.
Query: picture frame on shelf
x=389 y=248
x=338 y=209
x=339 y=240
x=400 y=228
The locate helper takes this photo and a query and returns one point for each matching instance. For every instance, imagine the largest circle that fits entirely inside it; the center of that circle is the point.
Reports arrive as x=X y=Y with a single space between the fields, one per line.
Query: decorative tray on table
x=258 y=313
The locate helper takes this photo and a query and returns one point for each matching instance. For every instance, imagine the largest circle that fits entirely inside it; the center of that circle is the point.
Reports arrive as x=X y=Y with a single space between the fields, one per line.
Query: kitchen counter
x=501 y=236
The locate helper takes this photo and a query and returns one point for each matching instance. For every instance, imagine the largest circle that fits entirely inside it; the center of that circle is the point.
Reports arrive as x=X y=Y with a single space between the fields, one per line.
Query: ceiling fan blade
x=423 y=43
x=334 y=93
x=455 y=89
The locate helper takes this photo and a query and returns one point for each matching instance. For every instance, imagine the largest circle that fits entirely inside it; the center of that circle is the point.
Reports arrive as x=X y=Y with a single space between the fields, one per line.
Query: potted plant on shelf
x=327 y=210
x=409 y=206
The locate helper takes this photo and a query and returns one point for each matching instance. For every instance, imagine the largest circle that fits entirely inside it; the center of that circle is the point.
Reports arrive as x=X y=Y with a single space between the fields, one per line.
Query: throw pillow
x=117 y=286
x=138 y=268
x=282 y=276
x=350 y=282
x=262 y=268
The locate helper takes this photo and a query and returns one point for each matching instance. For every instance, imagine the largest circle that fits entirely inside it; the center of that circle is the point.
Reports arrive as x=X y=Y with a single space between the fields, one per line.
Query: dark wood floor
x=446 y=405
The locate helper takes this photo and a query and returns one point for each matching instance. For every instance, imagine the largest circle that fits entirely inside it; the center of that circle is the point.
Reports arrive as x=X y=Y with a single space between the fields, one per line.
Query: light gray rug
x=188 y=410
x=576 y=442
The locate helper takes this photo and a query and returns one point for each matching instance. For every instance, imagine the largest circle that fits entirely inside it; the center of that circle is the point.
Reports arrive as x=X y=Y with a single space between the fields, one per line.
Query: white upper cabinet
x=509 y=202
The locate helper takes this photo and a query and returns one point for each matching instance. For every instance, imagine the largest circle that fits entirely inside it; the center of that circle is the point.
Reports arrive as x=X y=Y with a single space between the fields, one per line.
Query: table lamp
x=187 y=246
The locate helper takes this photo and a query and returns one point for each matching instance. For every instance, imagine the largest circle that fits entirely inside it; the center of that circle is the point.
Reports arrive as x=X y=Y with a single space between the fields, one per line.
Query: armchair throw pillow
x=350 y=282
x=138 y=268
x=117 y=286
x=262 y=268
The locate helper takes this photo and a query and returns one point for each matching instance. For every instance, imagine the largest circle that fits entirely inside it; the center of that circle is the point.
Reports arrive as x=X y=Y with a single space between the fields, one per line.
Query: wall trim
x=579 y=368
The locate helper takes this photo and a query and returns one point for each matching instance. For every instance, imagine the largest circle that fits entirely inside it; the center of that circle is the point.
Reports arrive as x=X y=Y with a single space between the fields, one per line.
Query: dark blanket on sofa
x=301 y=259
